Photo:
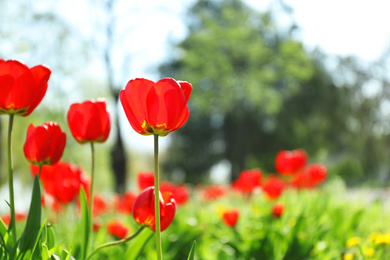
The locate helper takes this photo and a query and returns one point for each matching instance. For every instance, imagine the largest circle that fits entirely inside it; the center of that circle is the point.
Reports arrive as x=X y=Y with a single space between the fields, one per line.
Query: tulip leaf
x=191 y=256
x=54 y=257
x=50 y=241
x=45 y=252
x=33 y=224
x=136 y=246
x=85 y=225
x=66 y=255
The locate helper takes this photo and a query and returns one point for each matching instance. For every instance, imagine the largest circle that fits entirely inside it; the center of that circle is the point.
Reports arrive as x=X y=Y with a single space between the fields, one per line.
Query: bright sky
x=343 y=27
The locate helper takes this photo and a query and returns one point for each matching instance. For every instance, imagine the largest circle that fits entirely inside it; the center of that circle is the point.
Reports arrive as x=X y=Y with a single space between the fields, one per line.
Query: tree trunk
x=118 y=161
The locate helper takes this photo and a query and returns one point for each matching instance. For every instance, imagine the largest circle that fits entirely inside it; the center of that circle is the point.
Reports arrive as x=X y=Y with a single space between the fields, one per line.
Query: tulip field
x=321 y=223
x=294 y=213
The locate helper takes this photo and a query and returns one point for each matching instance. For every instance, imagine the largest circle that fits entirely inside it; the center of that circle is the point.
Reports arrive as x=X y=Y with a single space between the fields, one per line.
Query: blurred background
x=266 y=76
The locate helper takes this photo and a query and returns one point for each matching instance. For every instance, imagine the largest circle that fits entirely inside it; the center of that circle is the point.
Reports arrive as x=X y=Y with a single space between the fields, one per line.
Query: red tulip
x=117 y=229
x=143 y=209
x=277 y=210
x=96 y=226
x=44 y=144
x=145 y=179
x=179 y=192
x=273 y=187
x=230 y=217
x=21 y=88
x=99 y=205
x=18 y=217
x=213 y=192
x=156 y=108
x=310 y=177
x=124 y=203
x=290 y=162
x=61 y=180
x=317 y=173
x=247 y=181
x=89 y=121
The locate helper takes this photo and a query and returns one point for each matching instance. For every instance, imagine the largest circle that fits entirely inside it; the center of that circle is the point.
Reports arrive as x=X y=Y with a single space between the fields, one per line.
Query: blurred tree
x=257 y=91
x=242 y=69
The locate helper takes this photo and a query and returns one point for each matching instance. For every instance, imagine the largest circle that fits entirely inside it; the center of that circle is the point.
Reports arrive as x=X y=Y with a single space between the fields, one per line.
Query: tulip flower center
x=11 y=110
x=160 y=130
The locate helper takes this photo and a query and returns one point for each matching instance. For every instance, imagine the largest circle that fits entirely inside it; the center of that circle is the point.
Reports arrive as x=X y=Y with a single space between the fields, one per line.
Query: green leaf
x=66 y=255
x=33 y=224
x=191 y=256
x=37 y=245
x=136 y=246
x=50 y=241
x=54 y=257
x=45 y=253
x=85 y=225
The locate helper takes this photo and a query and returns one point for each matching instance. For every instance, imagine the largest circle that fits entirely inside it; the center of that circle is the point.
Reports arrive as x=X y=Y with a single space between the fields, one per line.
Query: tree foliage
x=258 y=91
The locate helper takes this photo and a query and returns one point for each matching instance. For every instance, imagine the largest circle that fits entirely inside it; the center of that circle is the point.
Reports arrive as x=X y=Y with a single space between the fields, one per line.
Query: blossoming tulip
x=117 y=229
x=61 y=180
x=21 y=88
x=89 y=121
x=145 y=179
x=125 y=202
x=156 y=108
x=179 y=192
x=213 y=192
x=44 y=144
x=310 y=177
x=247 y=181
x=273 y=187
x=277 y=210
x=143 y=209
x=230 y=217
x=18 y=217
x=100 y=206
x=290 y=162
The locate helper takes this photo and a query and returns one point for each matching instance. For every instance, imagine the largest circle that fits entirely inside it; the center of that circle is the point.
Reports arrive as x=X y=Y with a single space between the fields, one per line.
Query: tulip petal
x=135 y=108
x=41 y=75
x=187 y=89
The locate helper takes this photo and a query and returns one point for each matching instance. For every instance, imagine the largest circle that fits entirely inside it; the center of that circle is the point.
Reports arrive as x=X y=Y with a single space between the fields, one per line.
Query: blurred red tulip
x=273 y=187
x=99 y=205
x=247 y=181
x=179 y=192
x=117 y=229
x=156 y=108
x=143 y=209
x=96 y=226
x=317 y=172
x=213 y=192
x=290 y=162
x=18 y=217
x=310 y=177
x=21 y=88
x=44 y=144
x=230 y=217
x=89 y=121
x=124 y=203
x=61 y=180
x=277 y=210
x=145 y=179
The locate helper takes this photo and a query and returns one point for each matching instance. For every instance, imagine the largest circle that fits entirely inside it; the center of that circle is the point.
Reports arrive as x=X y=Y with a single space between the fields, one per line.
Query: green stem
x=115 y=243
x=157 y=199
x=91 y=192
x=11 y=180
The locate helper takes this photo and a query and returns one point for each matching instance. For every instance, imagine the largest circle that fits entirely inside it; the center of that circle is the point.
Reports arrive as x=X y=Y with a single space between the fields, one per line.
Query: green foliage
x=257 y=90
x=85 y=224
x=191 y=256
